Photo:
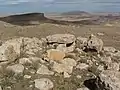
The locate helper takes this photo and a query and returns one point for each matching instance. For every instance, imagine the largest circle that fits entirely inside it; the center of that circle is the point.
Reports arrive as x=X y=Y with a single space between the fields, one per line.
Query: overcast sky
x=18 y=6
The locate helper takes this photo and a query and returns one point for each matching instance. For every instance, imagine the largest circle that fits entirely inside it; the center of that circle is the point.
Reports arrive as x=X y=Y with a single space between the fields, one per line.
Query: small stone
x=108 y=25
x=100 y=67
x=32 y=71
x=56 y=55
x=36 y=59
x=44 y=70
x=0 y=88
x=90 y=62
x=82 y=89
x=27 y=76
x=117 y=54
x=8 y=88
x=44 y=84
x=113 y=66
x=106 y=59
x=82 y=66
x=66 y=75
x=100 y=34
x=79 y=77
x=109 y=49
x=17 y=68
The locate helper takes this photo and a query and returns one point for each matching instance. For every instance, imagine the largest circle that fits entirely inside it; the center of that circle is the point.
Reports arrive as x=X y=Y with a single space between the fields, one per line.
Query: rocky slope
x=58 y=62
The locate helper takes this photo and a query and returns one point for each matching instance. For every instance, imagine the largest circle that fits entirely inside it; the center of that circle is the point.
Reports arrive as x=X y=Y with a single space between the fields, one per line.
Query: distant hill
x=38 y=18
x=76 y=13
x=25 y=19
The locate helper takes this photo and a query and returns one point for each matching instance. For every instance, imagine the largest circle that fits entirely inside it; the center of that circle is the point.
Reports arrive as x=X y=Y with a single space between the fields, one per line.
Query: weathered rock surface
x=17 y=68
x=109 y=49
x=81 y=42
x=44 y=70
x=44 y=84
x=25 y=61
x=110 y=79
x=10 y=50
x=14 y=48
x=32 y=45
x=65 y=65
x=95 y=43
x=82 y=66
x=113 y=66
x=90 y=44
x=106 y=60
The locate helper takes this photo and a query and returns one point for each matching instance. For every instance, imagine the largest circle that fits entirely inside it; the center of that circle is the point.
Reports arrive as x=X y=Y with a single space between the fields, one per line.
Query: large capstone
x=61 y=38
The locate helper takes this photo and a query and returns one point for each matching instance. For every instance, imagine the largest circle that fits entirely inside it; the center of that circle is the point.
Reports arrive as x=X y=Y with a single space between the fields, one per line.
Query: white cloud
x=10 y=2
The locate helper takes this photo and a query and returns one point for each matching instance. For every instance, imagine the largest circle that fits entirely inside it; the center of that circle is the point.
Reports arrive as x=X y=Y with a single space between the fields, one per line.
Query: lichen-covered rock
x=110 y=79
x=32 y=46
x=54 y=54
x=14 y=48
x=81 y=42
x=44 y=84
x=10 y=50
x=44 y=70
x=61 y=38
x=17 y=68
x=95 y=43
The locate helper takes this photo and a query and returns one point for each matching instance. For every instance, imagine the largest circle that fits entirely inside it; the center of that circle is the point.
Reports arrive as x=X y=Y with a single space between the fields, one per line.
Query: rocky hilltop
x=59 y=62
